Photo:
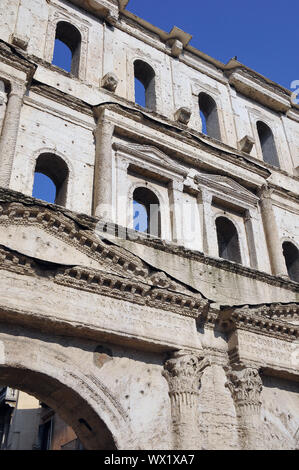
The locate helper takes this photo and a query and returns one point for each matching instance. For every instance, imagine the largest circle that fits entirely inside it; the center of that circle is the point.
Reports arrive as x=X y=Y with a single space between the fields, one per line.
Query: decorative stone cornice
x=10 y=56
x=255 y=87
x=120 y=274
x=151 y=155
x=258 y=319
x=58 y=96
x=105 y=9
x=221 y=264
x=101 y=283
x=226 y=186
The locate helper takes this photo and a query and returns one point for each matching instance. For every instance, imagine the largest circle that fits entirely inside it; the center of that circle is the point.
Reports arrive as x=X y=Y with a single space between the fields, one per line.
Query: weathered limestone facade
x=139 y=341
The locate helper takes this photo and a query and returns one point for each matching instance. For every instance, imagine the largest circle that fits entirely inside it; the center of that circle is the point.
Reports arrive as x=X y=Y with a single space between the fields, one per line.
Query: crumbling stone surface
x=153 y=339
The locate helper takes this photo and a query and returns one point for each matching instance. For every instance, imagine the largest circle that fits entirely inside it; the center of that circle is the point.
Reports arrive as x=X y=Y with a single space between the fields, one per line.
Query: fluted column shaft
x=9 y=133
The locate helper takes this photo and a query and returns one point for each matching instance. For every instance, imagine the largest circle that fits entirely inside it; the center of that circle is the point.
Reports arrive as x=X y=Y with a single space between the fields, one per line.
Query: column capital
x=265 y=192
x=245 y=385
x=205 y=196
x=183 y=372
x=17 y=89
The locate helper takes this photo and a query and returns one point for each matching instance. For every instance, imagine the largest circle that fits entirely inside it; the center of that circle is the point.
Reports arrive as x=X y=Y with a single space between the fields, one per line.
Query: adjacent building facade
x=154 y=303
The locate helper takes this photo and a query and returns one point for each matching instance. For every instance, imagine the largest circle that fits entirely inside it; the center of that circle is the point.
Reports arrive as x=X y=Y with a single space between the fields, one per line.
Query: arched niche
x=145 y=90
x=146 y=211
x=228 y=240
x=267 y=144
x=67 y=47
x=291 y=256
x=51 y=170
x=209 y=116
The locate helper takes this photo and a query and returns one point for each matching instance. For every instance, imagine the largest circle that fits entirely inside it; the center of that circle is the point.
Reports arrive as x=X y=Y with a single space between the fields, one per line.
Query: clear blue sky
x=263 y=34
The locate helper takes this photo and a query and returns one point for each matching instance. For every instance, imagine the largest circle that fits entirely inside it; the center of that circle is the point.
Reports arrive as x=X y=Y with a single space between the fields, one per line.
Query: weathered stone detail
x=246 y=144
x=176 y=47
x=10 y=130
x=20 y=41
x=110 y=81
x=183 y=373
x=246 y=386
x=89 y=304
x=271 y=230
x=183 y=115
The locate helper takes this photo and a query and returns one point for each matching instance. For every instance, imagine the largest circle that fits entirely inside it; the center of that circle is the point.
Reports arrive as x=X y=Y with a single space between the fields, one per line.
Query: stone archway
x=40 y=369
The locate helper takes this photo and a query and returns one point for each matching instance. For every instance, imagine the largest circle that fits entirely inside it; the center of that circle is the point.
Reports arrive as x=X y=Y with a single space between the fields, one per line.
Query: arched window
x=209 y=116
x=228 y=240
x=291 y=255
x=67 y=47
x=146 y=212
x=50 y=179
x=145 y=93
x=267 y=144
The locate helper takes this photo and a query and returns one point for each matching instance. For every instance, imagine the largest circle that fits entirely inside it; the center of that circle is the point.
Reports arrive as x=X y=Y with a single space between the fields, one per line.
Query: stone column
x=246 y=386
x=183 y=373
x=274 y=244
x=176 y=209
x=252 y=231
x=9 y=133
x=3 y=102
x=102 y=191
x=209 y=234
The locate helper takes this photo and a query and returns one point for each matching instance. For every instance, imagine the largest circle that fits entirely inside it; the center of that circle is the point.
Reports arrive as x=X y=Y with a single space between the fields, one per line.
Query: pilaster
x=209 y=235
x=176 y=206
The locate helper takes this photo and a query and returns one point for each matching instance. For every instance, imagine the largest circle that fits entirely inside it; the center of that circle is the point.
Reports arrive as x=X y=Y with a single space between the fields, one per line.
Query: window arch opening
x=209 y=116
x=267 y=144
x=228 y=240
x=67 y=48
x=146 y=212
x=145 y=93
x=291 y=255
x=50 y=179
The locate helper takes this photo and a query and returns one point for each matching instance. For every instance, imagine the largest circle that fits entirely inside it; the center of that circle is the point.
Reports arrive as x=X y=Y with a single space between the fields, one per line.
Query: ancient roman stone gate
x=183 y=335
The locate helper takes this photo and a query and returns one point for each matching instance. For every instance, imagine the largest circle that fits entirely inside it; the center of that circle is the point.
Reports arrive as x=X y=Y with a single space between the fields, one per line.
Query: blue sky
x=263 y=34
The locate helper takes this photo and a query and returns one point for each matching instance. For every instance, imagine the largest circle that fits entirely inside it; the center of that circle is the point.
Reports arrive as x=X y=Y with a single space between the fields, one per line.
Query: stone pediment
x=49 y=235
x=226 y=185
x=36 y=239
x=152 y=155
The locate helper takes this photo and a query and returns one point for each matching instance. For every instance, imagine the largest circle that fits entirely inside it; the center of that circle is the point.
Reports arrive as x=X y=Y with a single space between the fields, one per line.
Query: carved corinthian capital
x=184 y=371
x=245 y=386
